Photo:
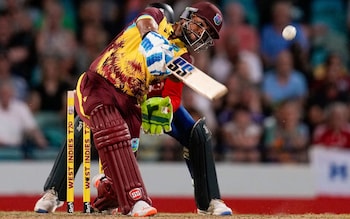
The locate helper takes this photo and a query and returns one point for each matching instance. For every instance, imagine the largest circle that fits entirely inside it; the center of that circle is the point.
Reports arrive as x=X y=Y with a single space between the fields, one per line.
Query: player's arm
x=145 y=24
x=155 y=47
x=173 y=90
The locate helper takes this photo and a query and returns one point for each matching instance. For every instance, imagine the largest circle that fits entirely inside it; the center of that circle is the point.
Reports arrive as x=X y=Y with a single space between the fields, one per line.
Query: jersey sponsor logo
x=136 y=193
x=79 y=126
x=207 y=132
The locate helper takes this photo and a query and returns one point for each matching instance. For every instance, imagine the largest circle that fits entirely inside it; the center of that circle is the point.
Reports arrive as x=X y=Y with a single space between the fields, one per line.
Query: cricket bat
x=196 y=79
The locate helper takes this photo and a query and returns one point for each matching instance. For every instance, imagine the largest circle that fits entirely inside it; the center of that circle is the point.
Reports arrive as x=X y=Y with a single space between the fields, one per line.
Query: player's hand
x=157 y=51
x=157 y=115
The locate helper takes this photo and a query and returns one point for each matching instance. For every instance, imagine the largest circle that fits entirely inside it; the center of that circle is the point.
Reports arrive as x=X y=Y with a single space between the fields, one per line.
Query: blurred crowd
x=285 y=96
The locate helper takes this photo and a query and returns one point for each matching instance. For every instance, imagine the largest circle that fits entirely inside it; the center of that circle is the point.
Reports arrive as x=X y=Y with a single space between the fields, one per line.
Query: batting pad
x=113 y=142
x=204 y=172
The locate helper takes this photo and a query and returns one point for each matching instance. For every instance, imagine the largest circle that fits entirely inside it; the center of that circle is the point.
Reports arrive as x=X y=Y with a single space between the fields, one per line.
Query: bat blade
x=196 y=79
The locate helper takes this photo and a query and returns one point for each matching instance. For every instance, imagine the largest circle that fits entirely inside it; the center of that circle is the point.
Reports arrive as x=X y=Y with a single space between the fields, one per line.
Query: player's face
x=197 y=33
x=196 y=27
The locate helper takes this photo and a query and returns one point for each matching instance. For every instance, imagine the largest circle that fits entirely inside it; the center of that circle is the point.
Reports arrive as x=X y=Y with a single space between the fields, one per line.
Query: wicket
x=70 y=159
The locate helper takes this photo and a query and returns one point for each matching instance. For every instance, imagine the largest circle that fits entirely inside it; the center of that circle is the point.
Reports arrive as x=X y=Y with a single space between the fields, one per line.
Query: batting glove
x=157 y=115
x=157 y=51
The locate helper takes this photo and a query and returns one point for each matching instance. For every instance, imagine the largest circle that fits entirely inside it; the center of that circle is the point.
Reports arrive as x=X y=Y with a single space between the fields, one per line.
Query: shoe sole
x=225 y=213
x=41 y=211
x=151 y=212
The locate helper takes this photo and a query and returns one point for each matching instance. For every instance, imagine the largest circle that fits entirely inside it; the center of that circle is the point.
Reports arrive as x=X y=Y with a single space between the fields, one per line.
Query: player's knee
x=109 y=128
x=200 y=134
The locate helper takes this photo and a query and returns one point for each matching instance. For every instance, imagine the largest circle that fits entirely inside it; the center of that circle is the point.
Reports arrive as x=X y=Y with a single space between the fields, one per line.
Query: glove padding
x=157 y=51
x=157 y=115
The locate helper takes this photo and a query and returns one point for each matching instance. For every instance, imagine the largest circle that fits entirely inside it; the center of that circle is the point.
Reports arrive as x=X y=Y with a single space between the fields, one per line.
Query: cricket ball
x=289 y=32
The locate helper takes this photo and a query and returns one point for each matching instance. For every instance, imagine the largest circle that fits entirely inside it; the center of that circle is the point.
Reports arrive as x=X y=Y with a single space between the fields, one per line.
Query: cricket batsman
x=116 y=125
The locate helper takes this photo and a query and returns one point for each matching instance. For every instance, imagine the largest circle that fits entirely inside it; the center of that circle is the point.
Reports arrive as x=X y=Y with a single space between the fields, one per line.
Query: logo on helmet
x=217 y=19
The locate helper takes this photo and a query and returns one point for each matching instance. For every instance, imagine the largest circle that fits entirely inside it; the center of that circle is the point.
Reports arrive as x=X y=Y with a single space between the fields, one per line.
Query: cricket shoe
x=142 y=209
x=102 y=205
x=216 y=207
x=48 y=202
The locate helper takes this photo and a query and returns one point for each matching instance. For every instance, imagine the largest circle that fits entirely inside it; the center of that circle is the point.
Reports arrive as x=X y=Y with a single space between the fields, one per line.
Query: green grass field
x=61 y=215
